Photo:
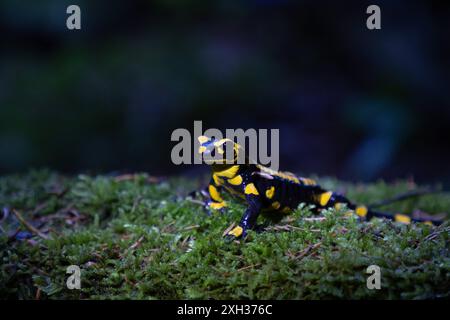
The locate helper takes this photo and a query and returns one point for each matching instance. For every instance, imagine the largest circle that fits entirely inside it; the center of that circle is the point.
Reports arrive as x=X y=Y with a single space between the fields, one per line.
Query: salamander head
x=223 y=151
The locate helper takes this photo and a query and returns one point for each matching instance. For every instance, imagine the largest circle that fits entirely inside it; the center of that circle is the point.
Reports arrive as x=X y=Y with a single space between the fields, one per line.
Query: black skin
x=288 y=193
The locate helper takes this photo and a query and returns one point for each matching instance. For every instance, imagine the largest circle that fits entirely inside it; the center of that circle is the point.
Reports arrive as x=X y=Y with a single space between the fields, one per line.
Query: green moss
x=140 y=240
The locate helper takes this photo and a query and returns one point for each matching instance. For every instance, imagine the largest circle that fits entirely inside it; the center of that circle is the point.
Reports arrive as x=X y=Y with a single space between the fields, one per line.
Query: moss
x=138 y=239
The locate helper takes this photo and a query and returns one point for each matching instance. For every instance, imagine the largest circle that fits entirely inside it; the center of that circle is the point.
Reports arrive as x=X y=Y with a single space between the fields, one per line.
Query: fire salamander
x=265 y=190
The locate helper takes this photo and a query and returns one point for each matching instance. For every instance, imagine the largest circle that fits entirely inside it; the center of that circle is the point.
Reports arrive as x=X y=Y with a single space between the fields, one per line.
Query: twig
x=136 y=244
x=38 y=294
x=185 y=240
x=168 y=227
x=434 y=234
x=29 y=226
x=315 y=219
x=285 y=227
x=248 y=267
x=195 y=226
x=133 y=246
x=228 y=229
x=306 y=251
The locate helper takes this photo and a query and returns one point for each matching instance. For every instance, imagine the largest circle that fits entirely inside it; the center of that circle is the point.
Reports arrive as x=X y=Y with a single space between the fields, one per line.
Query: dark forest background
x=349 y=102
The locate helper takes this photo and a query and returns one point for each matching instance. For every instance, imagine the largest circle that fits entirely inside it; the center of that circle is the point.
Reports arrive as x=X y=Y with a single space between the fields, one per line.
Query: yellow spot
x=428 y=223
x=229 y=172
x=202 y=139
x=338 y=206
x=220 y=150
x=270 y=192
x=276 y=205
x=235 y=181
x=286 y=210
x=218 y=181
x=325 y=197
x=402 y=218
x=215 y=195
x=361 y=211
x=251 y=189
x=201 y=149
x=237 y=231
x=217 y=205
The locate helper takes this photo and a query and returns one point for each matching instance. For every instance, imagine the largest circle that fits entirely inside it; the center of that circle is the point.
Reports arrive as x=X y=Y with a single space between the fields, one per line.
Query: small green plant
x=137 y=238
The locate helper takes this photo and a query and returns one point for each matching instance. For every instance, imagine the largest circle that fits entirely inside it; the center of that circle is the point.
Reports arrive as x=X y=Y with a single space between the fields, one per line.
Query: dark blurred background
x=349 y=102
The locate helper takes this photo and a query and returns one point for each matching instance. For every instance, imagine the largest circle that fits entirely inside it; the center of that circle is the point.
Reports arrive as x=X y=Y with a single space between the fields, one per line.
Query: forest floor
x=138 y=237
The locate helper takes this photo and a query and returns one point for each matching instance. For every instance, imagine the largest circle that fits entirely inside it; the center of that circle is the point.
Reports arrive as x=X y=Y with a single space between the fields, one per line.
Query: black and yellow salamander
x=265 y=190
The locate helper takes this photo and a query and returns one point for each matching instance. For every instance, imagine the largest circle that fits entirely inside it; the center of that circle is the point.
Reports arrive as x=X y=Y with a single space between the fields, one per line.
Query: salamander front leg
x=215 y=201
x=248 y=220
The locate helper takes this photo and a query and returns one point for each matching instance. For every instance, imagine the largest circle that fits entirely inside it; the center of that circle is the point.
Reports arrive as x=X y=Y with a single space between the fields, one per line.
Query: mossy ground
x=138 y=239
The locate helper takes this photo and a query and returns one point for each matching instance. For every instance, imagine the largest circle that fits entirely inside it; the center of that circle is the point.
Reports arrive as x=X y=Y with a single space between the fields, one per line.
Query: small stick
x=38 y=294
x=29 y=226
x=195 y=226
x=309 y=249
x=433 y=235
x=315 y=219
x=228 y=229
x=137 y=243
x=285 y=227
x=248 y=267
